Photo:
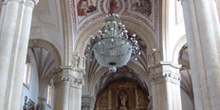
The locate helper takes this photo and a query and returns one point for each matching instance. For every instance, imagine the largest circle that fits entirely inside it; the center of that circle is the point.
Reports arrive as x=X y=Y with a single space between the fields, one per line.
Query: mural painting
x=84 y=7
x=142 y=6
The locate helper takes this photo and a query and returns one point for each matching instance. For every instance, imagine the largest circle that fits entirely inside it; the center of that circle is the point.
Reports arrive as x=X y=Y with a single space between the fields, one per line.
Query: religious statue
x=123 y=98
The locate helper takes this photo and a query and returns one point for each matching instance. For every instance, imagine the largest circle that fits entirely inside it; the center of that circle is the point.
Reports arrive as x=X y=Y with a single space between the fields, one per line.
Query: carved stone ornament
x=165 y=72
x=153 y=58
x=69 y=77
x=79 y=62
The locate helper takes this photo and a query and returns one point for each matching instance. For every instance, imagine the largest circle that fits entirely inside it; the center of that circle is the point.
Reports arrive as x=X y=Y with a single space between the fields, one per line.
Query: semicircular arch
x=181 y=42
x=139 y=28
x=102 y=71
x=48 y=46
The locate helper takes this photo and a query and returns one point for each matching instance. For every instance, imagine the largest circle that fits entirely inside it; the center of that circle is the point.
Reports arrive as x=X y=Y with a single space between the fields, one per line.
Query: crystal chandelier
x=112 y=45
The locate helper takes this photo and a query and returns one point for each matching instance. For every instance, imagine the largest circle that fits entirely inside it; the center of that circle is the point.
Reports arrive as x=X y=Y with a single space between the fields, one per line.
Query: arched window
x=49 y=94
x=27 y=72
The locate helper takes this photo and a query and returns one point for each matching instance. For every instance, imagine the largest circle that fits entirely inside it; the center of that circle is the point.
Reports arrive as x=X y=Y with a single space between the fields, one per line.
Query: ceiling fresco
x=85 y=12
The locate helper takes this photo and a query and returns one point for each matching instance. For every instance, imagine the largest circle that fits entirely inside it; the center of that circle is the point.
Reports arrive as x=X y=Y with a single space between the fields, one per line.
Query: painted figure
x=84 y=7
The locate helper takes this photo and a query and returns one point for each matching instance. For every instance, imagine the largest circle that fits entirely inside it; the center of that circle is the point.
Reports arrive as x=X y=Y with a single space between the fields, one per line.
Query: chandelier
x=112 y=45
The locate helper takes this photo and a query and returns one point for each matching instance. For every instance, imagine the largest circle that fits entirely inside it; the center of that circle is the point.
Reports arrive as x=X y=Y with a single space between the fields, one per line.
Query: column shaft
x=202 y=31
x=6 y=44
x=61 y=100
x=194 y=51
x=15 y=29
x=22 y=45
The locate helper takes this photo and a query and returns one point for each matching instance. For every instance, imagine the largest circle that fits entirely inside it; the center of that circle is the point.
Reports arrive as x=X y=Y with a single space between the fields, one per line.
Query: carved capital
x=66 y=75
x=165 y=72
x=32 y=3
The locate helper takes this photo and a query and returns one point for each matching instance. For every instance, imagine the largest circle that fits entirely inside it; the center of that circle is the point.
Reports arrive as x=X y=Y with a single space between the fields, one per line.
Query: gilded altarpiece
x=122 y=95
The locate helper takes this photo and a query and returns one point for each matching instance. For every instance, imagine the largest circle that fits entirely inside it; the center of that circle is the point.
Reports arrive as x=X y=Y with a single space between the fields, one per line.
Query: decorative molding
x=165 y=72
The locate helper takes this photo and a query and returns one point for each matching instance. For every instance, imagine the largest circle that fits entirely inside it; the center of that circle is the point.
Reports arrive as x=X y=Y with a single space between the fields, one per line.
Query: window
x=27 y=74
x=49 y=95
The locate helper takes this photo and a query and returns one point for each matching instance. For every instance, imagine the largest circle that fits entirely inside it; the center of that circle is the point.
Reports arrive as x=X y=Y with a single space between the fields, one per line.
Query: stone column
x=14 y=35
x=166 y=86
x=87 y=102
x=68 y=89
x=202 y=31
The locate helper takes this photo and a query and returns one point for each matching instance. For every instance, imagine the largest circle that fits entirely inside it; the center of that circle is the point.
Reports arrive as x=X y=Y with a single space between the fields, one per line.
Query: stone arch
x=135 y=26
x=131 y=65
x=181 y=42
x=139 y=28
x=48 y=46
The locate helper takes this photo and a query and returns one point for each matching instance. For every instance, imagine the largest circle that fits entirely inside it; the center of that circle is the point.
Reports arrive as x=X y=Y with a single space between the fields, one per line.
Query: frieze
x=165 y=72
x=69 y=77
